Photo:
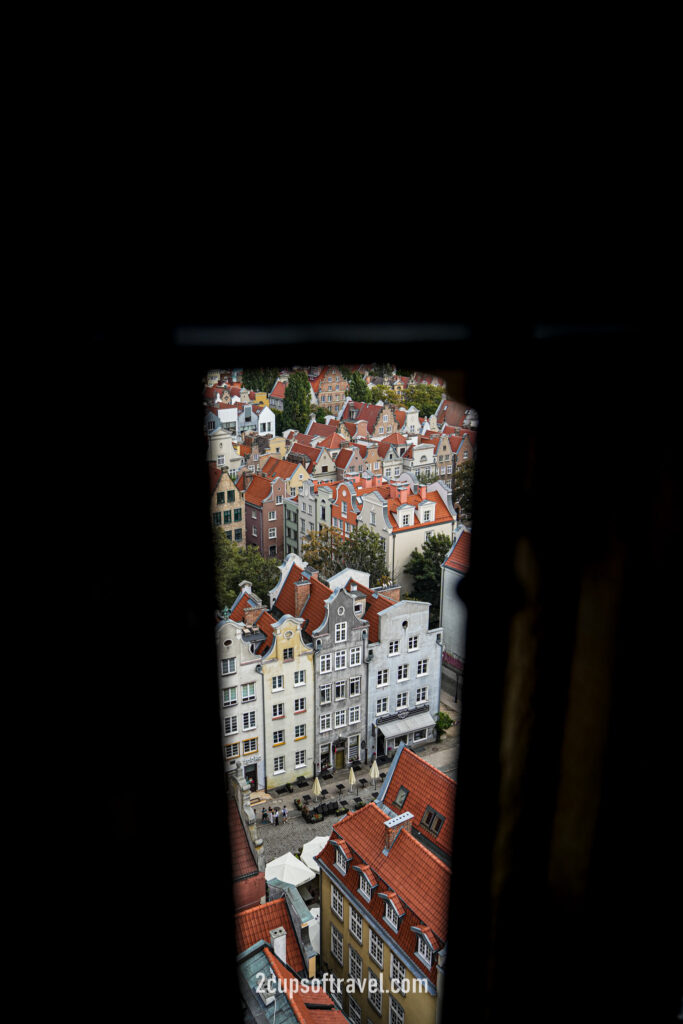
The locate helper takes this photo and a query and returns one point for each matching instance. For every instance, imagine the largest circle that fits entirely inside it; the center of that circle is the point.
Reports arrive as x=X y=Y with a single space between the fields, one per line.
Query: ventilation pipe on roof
x=278 y=940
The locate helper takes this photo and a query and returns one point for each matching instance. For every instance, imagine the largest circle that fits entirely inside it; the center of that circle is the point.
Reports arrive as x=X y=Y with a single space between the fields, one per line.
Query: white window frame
x=326 y=693
x=424 y=699
x=396 y=1012
x=383 y=677
x=355 y=924
x=251 y=692
x=403 y=672
x=325 y=663
x=402 y=700
x=280 y=709
x=391 y=916
x=279 y=759
x=426 y=958
x=354 y=686
x=375 y=940
x=394 y=648
x=354 y=715
x=340 y=632
x=364 y=888
x=248 y=715
x=339 y=862
x=272 y=516
x=230 y=725
x=299 y=705
x=272 y=533
x=337 y=900
x=227 y=701
x=340 y=687
x=228 y=671
x=327 y=717
x=300 y=759
x=300 y=677
x=340 y=718
x=337 y=945
x=274 y=680
x=354 y=657
x=277 y=741
x=383 y=709
x=423 y=667
x=355 y=963
x=300 y=731
x=339 y=660
x=412 y=643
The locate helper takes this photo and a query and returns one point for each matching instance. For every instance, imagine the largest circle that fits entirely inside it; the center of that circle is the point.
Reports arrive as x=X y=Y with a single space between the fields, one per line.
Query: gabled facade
x=294 y=474
x=289 y=703
x=227 y=504
x=330 y=389
x=264 y=515
x=419 y=459
x=222 y=451
x=241 y=699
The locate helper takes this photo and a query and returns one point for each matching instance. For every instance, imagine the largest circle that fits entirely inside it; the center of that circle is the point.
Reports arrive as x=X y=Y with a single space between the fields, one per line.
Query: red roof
x=278 y=389
x=459 y=555
x=427 y=787
x=258 y=490
x=252 y=926
x=420 y=880
x=279 y=467
x=344 y=457
x=309 y=1007
x=374 y=604
x=214 y=476
x=332 y=440
x=313 y=611
x=451 y=412
x=390 y=491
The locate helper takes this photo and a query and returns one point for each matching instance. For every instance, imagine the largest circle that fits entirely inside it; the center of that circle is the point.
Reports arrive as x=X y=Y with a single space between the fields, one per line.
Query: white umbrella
x=311 y=849
x=289 y=869
x=374 y=771
x=316 y=787
x=352 y=779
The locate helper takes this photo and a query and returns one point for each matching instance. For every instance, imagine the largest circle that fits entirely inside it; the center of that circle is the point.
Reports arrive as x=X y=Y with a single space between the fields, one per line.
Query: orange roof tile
x=258 y=490
x=256 y=924
x=427 y=787
x=309 y=1007
x=459 y=556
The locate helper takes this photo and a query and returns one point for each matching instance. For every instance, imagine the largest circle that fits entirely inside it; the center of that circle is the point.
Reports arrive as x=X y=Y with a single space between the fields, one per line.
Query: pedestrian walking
x=277 y=815
x=284 y=813
x=270 y=815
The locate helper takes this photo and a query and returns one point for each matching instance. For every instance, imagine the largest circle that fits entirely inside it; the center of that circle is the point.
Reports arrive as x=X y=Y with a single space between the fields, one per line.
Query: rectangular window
x=340 y=861
x=278 y=683
x=405 y=519
x=374 y=992
x=288 y=654
x=393 y=647
x=300 y=678
x=230 y=725
x=278 y=737
x=248 y=720
x=325 y=723
x=344 y=508
x=339 y=719
x=356 y=925
x=421 y=734
x=432 y=820
x=354 y=656
x=227 y=516
x=339 y=632
x=278 y=765
x=299 y=705
x=229 y=696
x=354 y=686
x=402 y=672
x=238 y=533
x=272 y=516
x=337 y=901
x=376 y=948
x=354 y=715
x=272 y=533
x=299 y=731
x=231 y=495
x=372 y=518
x=232 y=750
x=355 y=961
x=396 y=1012
x=381 y=705
x=300 y=759
x=364 y=887
x=340 y=690
x=421 y=695
x=383 y=677
x=250 y=746
x=412 y=643
x=339 y=659
x=220 y=498
x=326 y=693
x=254 y=531
x=422 y=667
x=238 y=515
x=227 y=666
x=248 y=692
x=278 y=499
x=402 y=700
x=220 y=461
x=325 y=662
x=278 y=711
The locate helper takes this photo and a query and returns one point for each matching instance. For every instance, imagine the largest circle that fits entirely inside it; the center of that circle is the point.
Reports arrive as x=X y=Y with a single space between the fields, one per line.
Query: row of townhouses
x=330 y=674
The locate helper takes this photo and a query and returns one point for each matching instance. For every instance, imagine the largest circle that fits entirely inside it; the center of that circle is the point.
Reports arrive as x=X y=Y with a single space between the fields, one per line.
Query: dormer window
x=391 y=916
x=340 y=861
x=365 y=888
x=424 y=951
x=432 y=820
x=401 y=797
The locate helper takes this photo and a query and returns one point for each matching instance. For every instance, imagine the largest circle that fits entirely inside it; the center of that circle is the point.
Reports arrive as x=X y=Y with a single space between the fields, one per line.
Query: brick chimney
x=392 y=827
x=302 y=592
x=423 y=491
x=252 y=614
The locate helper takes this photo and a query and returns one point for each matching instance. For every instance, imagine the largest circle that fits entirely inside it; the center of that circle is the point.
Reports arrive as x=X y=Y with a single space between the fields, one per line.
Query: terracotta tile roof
x=427 y=787
x=387 y=490
x=258 y=490
x=400 y=416
x=279 y=467
x=308 y=1007
x=451 y=412
x=332 y=440
x=254 y=925
x=243 y=602
x=265 y=623
x=308 y=450
x=313 y=611
x=344 y=457
x=384 y=446
x=278 y=389
x=366 y=412
x=249 y=891
x=458 y=557
x=320 y=430
x=420 y=880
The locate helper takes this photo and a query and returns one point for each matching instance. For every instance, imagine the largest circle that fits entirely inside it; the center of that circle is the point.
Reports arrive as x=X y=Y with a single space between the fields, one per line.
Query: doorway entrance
x=251 y=775
x=325 y=757
x=339 y=758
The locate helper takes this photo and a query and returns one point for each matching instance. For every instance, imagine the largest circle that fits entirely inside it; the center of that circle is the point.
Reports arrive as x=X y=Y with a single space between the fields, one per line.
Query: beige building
x=227 y=504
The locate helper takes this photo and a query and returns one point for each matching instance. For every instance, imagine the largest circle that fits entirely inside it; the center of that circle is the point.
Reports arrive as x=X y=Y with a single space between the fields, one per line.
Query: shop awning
x=400 y=726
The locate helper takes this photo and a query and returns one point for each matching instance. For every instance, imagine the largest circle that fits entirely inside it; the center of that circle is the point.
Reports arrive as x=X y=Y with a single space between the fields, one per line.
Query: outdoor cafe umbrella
x=311 y=849
x=352 y=780
x=316 y=787
x=374 y=772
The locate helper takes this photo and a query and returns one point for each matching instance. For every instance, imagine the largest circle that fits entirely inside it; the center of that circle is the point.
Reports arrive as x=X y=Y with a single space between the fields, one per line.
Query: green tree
x=296 y=410
x=382 y=370
x=425 y=568
x=363 y=550
x=358 y=390
x=323 y=550
x=232 y=564
x=463 y=479
x=425 y=398
x=320 y=414
x=443 y=722
x=382 y=393
x=259 y=379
